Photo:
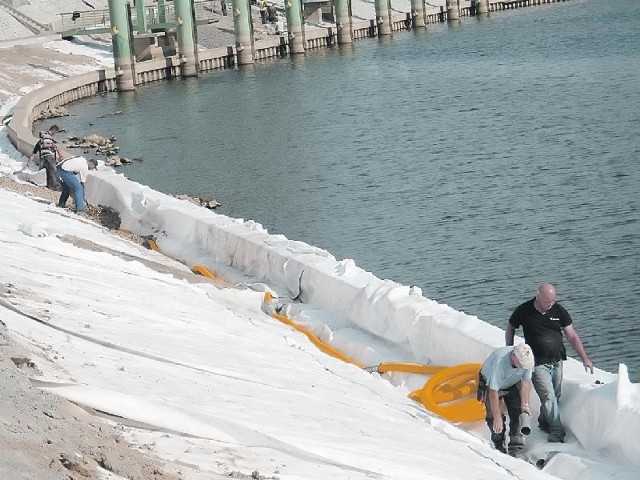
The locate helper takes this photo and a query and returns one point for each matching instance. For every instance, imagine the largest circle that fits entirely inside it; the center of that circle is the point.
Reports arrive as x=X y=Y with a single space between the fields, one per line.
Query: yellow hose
x=197 y=269
x=153 y=245
x=323 y=347
x=450 y=393
x=409 y=368
x=459 y=403
x=205 y=272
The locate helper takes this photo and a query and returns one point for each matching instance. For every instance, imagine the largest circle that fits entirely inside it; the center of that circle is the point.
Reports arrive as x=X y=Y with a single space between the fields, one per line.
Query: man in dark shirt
x=543 y=321
x=47 y=151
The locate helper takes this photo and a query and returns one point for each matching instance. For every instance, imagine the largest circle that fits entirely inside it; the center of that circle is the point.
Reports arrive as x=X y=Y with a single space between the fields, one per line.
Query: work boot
x=498 y=442
x=519 y=454
x=555 y=438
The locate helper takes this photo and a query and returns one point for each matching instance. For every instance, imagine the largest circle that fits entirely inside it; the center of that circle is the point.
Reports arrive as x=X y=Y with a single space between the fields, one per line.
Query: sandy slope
x=45 y=437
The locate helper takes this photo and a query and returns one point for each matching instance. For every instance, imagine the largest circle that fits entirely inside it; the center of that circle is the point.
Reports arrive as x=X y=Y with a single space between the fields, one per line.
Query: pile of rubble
x=101 y=146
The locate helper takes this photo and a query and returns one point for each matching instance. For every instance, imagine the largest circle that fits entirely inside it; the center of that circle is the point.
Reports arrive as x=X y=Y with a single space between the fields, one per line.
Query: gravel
x=104 y=216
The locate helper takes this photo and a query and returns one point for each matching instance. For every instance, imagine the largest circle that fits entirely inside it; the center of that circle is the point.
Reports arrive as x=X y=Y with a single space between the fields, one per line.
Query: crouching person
x=506 y=376
x=73 y=173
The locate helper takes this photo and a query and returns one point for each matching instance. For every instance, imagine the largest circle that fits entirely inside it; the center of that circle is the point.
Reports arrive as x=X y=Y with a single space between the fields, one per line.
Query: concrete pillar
x=482 y=7
x=418 y=14
x=453 y=10
x=162 y=12
x=186 y=33
x=342 y=9
x=383 y=17
x=243 y=30
x=122 y=39
x=295 y=26
x=141 y=20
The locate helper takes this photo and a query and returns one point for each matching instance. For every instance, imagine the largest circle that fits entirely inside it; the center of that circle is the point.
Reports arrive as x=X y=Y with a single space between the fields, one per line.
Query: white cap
x=524 y=355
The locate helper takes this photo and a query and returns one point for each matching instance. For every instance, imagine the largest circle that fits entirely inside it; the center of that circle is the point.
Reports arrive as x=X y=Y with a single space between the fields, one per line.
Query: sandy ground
x=42 y=436
x=45 y=437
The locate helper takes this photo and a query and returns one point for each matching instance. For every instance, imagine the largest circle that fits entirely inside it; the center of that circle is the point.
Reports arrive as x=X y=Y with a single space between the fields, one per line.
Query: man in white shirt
x=506 y=374
x=73 y=173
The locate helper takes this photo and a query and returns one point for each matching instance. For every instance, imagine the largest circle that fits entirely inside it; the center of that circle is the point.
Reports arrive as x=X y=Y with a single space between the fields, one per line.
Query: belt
x=60 y=163
x=68 y=171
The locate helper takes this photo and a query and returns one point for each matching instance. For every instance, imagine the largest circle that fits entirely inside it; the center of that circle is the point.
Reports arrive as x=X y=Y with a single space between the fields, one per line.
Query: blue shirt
x=499 y=372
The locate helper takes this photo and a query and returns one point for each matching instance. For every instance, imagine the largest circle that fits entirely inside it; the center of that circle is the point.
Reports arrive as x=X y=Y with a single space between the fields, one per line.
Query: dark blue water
x=474 y=161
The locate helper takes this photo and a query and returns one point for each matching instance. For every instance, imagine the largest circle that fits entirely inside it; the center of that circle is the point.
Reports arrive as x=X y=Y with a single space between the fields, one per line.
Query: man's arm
x=525 y=390
x=576 y=343
x=494 y=403
x=29 y=162
x=509 y=334
x=36 y=150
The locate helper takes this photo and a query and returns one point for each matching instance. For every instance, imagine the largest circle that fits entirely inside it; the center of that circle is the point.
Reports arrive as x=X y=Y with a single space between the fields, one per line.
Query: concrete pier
x=383 y=17
x=122 y=38
x=295 y=26
x=141 y=18
x=418 y=18
x=343 y=21
x=243 y=29
x=453 y=10
x=186 y=33
x=482 y=7
x=162 y=11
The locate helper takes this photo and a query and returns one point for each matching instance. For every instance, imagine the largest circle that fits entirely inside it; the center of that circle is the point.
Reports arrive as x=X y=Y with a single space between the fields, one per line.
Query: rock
x=97 y=139
x=54 y=112
x=201 y=202
x=210 y=204
x=113 y=161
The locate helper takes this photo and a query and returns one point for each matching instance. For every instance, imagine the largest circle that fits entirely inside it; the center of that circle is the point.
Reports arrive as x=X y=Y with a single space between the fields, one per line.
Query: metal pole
x=383 y=17
x=482 y=7
x=343 y=21
x=453 y=10
x=185 y=30
x=141 y=20
x=162 y=13
x=243 y=29
x=295 y=26
x=417 y=13
x=120 y=14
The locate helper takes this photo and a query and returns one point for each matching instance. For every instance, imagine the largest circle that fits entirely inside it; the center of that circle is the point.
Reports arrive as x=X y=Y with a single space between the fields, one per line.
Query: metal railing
x=86 y=22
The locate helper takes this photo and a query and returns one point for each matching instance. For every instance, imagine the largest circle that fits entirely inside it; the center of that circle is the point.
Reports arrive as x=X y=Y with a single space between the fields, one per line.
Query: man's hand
x=498 y=425
x=588 y=366
x=526 y=409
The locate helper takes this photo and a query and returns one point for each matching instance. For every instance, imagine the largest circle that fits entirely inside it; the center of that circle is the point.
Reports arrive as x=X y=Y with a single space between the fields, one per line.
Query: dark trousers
x=511 y=397
x=49 y=164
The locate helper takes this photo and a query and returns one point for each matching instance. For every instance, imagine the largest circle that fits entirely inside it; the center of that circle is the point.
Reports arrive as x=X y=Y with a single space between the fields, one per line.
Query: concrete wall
x=31 y=106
